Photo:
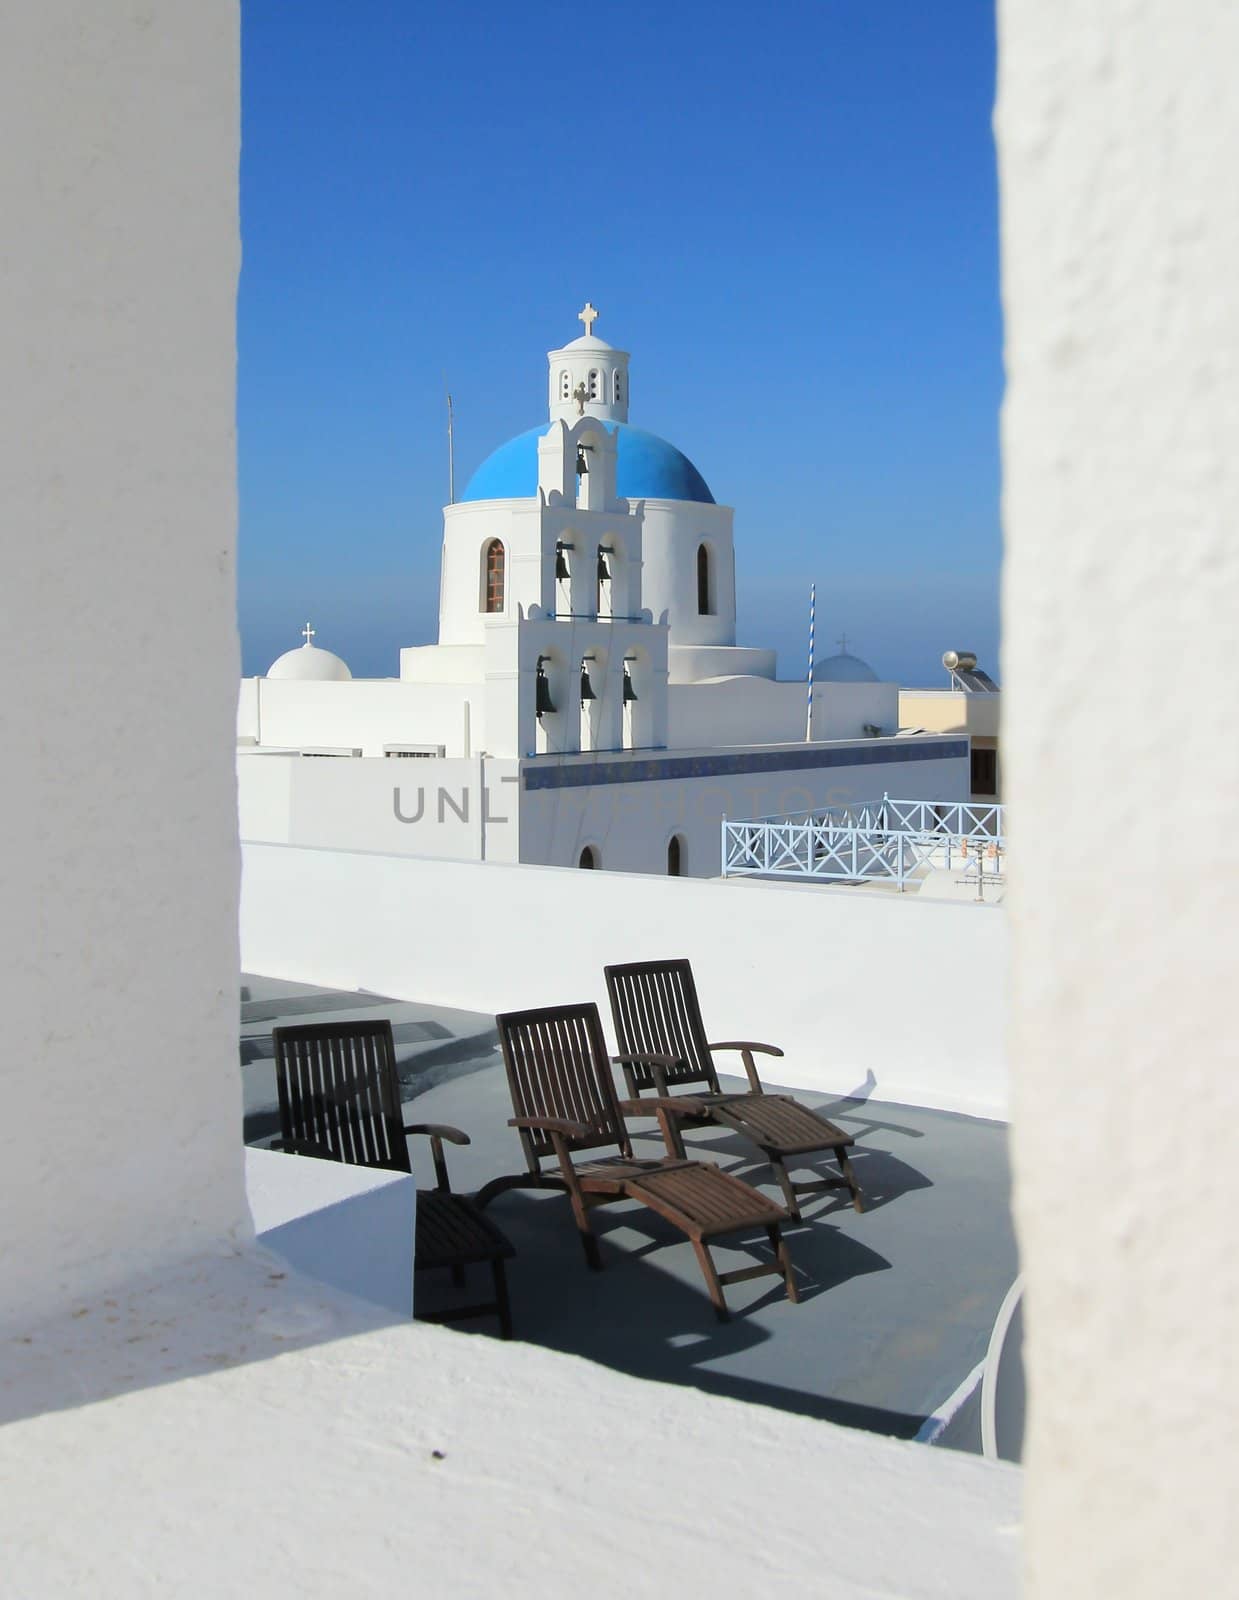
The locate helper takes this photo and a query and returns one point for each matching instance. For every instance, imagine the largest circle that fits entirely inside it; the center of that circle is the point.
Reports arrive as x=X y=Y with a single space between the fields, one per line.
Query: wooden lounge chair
x=654 y=1004
x=340 y=1101
x=564 y=1098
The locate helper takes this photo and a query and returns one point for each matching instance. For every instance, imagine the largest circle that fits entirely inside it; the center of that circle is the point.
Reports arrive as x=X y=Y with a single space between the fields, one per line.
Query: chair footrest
x=781 y=1126
x=703 y=1200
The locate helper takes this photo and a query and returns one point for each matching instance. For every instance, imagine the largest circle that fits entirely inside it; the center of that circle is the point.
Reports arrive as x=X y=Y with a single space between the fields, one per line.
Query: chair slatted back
x=339 y=1094
x=556 y=1060
x=655 y=1010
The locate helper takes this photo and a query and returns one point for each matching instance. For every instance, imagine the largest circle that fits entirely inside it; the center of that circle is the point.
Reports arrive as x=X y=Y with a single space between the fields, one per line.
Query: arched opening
x=589 y=859
x=593 y=385
x=675 y=856
x=593 y=700
x=619 y=389
x=554 y=709
x=565 y=386
x=636 y=687
x=705 y=587
x=492 y=584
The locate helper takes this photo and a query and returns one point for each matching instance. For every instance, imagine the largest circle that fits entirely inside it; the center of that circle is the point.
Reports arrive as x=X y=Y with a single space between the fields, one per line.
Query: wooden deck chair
x=340 y=1101
x=654 y=1004
x=563 y=1094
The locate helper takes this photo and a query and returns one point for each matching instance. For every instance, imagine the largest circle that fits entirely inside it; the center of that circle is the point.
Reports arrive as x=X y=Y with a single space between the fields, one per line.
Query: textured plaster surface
x=1118 y=126
x=118 y=880
x=315 y=1473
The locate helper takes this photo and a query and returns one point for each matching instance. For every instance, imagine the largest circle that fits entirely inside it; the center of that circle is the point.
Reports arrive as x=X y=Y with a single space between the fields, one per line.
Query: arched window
x=492 y=599
x=675 y=856
x=619 y=389
x=704 y=607
x=593 y=385
x=565 y=386
x=589 y=858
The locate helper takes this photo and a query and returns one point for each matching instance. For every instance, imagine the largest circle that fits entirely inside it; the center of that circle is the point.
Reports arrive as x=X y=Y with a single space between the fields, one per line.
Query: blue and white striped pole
x=808 y=715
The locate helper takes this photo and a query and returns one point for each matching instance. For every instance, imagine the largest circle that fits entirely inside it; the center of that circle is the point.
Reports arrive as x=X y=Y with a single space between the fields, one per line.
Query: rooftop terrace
x=897 y=1303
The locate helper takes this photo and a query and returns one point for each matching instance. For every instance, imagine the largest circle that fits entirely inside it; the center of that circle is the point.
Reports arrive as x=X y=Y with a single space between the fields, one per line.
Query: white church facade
x=586 y=702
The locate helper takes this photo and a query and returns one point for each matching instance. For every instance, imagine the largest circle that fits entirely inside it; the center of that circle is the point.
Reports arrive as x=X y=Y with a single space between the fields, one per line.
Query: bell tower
x=588 y=378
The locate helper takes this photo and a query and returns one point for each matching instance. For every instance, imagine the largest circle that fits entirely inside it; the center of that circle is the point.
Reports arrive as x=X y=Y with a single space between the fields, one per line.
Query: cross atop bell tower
x=589 y=316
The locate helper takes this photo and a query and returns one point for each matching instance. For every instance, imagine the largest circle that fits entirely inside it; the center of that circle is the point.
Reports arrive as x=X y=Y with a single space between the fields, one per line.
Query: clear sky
x=787 y=213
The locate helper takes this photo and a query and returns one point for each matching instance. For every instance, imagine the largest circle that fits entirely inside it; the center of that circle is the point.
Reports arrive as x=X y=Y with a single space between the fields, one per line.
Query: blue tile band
x=661 y=769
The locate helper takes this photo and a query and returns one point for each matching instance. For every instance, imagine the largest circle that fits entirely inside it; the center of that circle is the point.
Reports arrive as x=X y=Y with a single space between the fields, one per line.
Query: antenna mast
x=451 y=456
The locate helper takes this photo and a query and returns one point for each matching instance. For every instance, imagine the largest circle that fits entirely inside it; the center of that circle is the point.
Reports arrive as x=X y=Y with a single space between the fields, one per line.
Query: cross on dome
x=588 y=316
x=307 y=633
x=842 y=642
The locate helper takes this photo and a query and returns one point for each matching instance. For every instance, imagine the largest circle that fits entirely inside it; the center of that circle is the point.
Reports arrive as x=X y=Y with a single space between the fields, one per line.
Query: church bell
x=582 y=466
x=561 y=563
x=587 y=688
x=604 y=572
x=630 y=693
x=544 y=703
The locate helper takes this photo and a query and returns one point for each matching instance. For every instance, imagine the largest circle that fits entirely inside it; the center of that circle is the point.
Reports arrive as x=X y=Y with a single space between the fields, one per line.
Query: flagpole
x=808 y=715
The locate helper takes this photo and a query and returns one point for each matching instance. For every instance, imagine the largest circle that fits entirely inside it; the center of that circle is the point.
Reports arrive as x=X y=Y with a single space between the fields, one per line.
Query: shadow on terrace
x=896 y=1303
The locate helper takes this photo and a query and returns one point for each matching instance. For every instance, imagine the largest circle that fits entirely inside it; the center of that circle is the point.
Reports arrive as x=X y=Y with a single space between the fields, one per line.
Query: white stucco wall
x=453 y=808
x=630 y=824
x=121 y=1106
x=674 y=529
x=468 y=810
x=1118 y=127
x=759 y=710
x=366 y=714
x=899 y=997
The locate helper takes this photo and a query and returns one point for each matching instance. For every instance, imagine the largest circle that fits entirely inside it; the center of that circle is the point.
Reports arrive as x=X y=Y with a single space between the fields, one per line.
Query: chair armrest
x=676 y=1105
x=645 y=1058
x=439 y=1130
x=746 y=1047
x=570 y=1130
x=746 y=1044
x=436 y=1132
x=654 y=1060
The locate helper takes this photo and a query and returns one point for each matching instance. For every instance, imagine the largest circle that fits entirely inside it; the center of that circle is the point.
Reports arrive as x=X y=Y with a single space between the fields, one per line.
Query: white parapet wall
x=863 y=989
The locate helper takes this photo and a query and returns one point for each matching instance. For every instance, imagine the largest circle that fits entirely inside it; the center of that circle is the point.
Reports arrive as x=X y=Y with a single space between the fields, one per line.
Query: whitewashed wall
x=366 y=713
x=863 y=990
x=630 y=824
x=757 y=710
x=461 y=810
x=120 y=1120
x=474 y=810
x=1118 y=130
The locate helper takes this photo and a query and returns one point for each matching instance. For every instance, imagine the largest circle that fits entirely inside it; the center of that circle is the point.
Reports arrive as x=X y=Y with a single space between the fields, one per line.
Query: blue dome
x=647 y=468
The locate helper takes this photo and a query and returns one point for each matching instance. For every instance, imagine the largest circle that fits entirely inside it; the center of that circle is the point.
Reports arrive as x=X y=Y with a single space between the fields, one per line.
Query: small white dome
x=587 y=343
x=844 y=668
x=309 y=664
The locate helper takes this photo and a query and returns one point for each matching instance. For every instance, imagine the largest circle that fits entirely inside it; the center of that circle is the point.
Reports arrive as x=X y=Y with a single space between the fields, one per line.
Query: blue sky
x=787 y=213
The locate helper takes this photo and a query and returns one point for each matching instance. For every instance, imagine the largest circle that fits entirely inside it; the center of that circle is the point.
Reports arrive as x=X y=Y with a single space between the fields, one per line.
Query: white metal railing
x=890 y=840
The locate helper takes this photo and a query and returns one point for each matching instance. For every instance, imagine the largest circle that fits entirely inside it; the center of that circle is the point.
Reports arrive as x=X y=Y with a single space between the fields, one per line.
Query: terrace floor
x=897 y=1304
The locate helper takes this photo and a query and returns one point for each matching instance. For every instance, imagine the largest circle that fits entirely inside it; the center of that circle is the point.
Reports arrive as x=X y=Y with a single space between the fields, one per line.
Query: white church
x=586 y=703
